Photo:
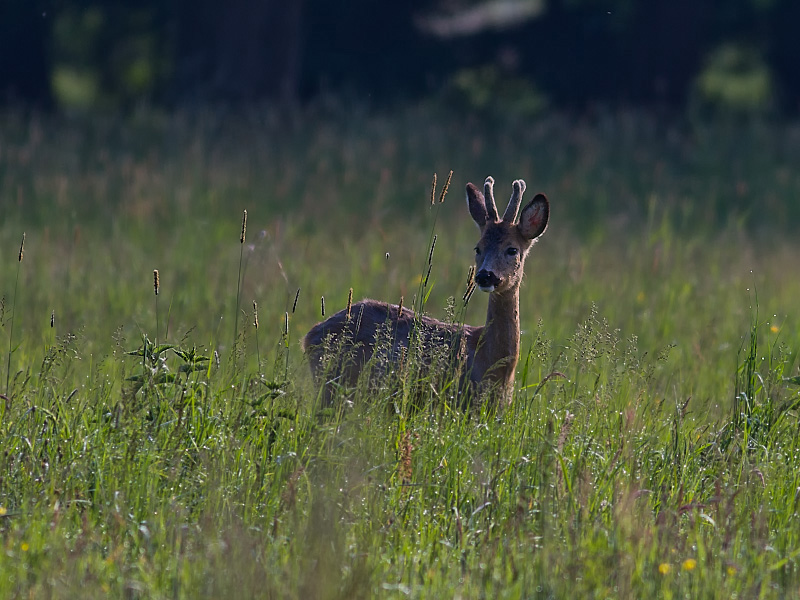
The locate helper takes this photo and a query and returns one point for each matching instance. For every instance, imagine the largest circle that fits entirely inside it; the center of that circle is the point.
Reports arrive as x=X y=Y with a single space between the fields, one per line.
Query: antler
x=488 y=194
x=510 y=216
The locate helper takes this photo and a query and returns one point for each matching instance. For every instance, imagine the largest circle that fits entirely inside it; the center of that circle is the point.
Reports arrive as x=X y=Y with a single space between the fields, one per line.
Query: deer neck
x=498 y=351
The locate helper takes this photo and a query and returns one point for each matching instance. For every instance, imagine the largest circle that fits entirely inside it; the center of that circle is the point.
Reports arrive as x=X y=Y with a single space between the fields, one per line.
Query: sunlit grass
x=146 y=453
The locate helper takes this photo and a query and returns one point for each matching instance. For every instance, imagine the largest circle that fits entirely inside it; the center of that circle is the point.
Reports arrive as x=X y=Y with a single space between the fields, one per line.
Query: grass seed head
x=52 y=319
x=155 y=281
x=470 y=287
x=349 y=303
x=22 y=247
x=433 y=190
x=445 y=188
x=430 y=254
x=296 y=296
x=244 y=227
x=255 y=314
x=468 y=293
x=322 y=304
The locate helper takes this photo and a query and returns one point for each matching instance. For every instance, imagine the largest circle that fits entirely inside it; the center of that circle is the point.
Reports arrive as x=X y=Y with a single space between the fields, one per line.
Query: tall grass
x=13 y=313
x=650 y=450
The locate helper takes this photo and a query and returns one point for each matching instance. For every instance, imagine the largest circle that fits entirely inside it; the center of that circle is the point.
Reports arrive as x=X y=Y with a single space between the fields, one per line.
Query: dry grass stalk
x=289 y=495
x=565 y=429
x=566 y=426
x=404 y=468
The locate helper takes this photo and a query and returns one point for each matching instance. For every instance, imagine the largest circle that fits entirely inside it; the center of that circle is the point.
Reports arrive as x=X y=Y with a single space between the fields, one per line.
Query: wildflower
x=3 y=511
x=774 y=329
x=664 y=568
x=689 y=564
x=731 y=570
x=24 y=546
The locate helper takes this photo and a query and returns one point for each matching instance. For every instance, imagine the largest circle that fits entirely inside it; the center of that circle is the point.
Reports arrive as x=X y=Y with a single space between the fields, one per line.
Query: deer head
x=504 y=244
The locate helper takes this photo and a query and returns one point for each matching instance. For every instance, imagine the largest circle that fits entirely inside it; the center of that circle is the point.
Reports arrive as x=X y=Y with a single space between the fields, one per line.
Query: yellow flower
x=3 y=511
x=640 y=297
x=731 y=570
x=664 y=568
x=774 y=329
x=24 y=546
x=689 y=564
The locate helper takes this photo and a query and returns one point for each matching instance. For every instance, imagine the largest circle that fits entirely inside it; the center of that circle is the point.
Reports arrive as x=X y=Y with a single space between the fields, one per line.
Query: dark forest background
x=737 y=56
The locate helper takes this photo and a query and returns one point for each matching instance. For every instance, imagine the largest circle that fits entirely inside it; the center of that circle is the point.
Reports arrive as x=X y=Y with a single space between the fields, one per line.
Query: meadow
x=163 y=446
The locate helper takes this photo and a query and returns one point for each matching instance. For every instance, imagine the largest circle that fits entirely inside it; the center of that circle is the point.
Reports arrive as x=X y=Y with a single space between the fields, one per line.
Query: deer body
x=488 y=354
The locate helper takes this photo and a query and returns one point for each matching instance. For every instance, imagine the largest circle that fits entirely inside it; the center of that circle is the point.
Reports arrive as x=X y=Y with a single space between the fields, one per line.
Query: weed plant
x=650 y=451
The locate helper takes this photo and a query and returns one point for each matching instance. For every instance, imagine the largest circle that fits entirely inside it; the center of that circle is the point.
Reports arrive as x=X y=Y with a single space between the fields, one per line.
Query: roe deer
x=489 y=353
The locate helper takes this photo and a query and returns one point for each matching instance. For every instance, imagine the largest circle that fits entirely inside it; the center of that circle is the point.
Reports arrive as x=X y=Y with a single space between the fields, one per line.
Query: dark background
x=737 y=56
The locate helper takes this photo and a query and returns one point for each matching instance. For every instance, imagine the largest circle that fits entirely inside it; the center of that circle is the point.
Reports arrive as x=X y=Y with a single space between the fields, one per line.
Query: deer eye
x=512 y=251
x=477 y=250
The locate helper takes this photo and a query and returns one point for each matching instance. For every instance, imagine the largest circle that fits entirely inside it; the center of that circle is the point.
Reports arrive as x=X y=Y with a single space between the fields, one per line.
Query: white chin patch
x=486 y=288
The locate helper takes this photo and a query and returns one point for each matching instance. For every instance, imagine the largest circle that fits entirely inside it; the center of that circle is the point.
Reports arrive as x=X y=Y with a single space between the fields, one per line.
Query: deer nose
x=487 y=280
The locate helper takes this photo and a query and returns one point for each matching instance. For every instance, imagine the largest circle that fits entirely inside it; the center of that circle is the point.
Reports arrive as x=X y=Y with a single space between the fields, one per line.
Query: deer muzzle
x=487 y=280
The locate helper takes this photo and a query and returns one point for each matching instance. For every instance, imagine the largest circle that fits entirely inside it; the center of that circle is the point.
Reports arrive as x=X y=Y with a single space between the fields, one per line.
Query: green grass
x=664 y=463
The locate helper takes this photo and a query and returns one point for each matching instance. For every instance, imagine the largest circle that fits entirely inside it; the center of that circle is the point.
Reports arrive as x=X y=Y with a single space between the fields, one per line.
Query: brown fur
x=489 y=353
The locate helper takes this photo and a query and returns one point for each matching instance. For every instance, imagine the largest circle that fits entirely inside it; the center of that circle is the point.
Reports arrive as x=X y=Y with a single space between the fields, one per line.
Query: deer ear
x=477 y=205
x=533 y=218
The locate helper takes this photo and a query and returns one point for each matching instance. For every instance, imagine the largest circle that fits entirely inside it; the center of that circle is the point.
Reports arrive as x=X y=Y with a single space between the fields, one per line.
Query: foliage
x=107 y=55
x=485 y=90
x=736 y=79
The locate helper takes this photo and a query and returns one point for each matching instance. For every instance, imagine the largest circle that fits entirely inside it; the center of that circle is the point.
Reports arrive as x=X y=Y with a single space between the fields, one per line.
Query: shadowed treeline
x=731 y=55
